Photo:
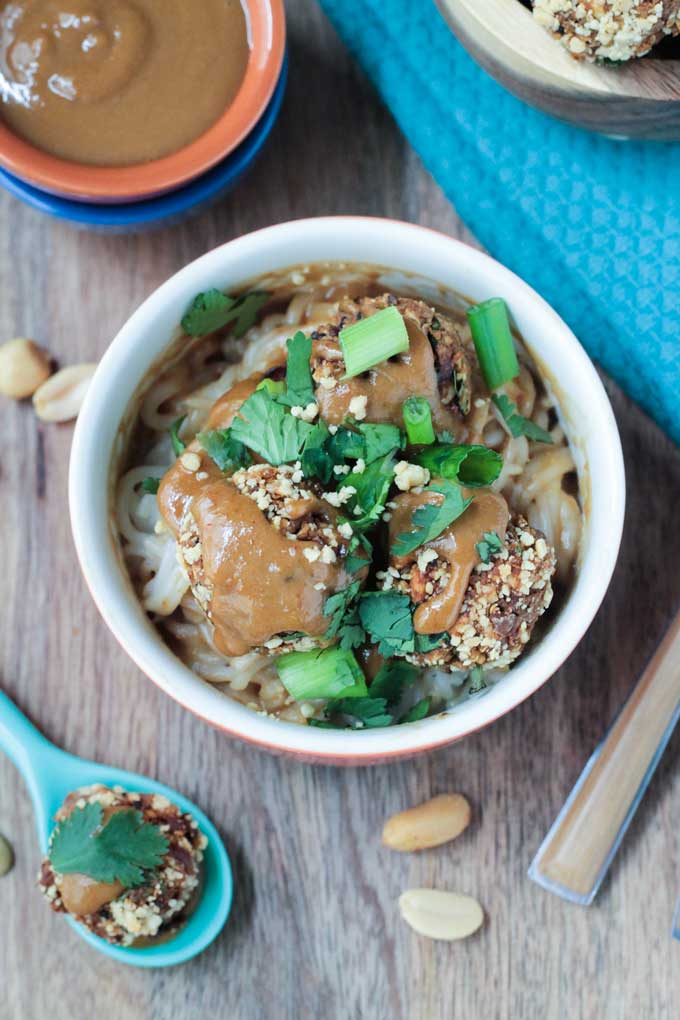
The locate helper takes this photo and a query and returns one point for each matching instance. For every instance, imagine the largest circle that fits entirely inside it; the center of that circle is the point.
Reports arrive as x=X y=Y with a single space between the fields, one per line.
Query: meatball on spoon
x=52 y=774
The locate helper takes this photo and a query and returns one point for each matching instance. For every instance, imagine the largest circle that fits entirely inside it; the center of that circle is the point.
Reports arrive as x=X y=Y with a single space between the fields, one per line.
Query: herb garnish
x=325 y=450
x=392 y=679
x=430 y=520
x=387 y=617
x=267 y=428
x=468 y=465
x=380 y=440
x=489 y=546
x=372 y=488
x=123 y=848
x=227 y=452
x=151 y=484
x=362 y=713
x=516 y=423
x=380 y=707
x=177 y=444
x=299 y=383
x=419 y=711
x=343 y=620
x=212 y=310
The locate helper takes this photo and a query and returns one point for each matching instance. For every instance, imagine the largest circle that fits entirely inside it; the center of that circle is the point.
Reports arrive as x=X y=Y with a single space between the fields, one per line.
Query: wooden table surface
x=315 y=930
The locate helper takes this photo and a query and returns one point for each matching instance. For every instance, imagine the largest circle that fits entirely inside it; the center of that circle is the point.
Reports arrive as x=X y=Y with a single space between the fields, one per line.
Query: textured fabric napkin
x=592 y=224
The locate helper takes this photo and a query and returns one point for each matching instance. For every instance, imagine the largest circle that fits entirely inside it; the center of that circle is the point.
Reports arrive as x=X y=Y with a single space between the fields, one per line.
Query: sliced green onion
x=368 y=342
x=273 y=386
x=418 y=421
x=468 y=465
x=151 y=485
x=328 y=673
x=490 y=328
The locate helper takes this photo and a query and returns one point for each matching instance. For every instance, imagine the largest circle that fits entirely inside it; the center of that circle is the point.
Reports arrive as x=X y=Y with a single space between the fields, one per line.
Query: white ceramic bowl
x=410 y=249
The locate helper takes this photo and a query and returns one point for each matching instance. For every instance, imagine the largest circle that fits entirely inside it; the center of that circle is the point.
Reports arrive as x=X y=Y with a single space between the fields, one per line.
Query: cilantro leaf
x=489 y=546
x=345 y=444
x=372 y=487
x=211 y=310
x=431 y=519
x=151 y=484
x=337 y=605
x=177 y=444
x=299 y=384
x=468 y=465
x=387 y=617
x=227 y=452
x=392 y=679
x=325 y=450
x=267 y=428
x=352 y=561
x=121 y=849
x=419 y=711
x=315 y=459
x=380 y=440
x=359 y=713
x=517 y=424
x=427 y=642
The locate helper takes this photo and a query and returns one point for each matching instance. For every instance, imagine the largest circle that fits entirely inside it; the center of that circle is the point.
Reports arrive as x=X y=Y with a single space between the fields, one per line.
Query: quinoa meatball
x=438 y=366
x=124 y=915
x=502 y=602
x=608 y=29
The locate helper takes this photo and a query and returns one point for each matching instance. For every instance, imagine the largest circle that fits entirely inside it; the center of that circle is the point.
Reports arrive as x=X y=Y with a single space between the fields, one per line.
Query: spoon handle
x=30 y=751
x=580 y=846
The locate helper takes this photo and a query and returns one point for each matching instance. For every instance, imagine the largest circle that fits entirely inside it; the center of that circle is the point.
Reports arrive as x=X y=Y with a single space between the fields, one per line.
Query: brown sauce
x=82 y=894
x=456 y=545
x=388 y=385
x=118 y=82
x=261 y=581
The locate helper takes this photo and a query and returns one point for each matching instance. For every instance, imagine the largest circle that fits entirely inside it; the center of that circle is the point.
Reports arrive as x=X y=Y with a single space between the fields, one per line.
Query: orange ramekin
x=99 y=184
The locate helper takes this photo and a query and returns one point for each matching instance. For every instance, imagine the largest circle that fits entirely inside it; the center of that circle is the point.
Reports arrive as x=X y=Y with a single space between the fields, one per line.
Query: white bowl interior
x=410 y=249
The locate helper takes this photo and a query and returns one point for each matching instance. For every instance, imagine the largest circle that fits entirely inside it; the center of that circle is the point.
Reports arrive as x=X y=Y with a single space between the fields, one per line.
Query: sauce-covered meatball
x=484 y=611
x=125 y=914
x=262 y=549
x=437 y=366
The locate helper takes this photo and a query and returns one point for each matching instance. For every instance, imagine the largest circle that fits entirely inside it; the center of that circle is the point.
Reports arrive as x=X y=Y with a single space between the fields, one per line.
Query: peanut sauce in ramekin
x=118 y=82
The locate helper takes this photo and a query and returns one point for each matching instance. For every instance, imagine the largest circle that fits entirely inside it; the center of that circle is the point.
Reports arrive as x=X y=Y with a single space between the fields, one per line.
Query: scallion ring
x=366 y=343
x=490 y=327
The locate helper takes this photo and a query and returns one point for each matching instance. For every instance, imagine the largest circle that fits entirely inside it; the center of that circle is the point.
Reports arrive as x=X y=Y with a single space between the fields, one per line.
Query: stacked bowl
x=163 y=190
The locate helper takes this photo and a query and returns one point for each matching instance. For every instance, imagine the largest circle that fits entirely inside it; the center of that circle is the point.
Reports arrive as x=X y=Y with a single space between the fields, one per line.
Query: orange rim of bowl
x=267 y=31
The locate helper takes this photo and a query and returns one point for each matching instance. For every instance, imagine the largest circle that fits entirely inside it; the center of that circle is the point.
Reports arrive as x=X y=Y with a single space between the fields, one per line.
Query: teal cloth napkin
x=592 y=224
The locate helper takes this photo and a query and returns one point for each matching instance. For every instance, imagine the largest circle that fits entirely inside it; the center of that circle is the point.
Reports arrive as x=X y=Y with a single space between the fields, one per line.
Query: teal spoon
x=51 y=774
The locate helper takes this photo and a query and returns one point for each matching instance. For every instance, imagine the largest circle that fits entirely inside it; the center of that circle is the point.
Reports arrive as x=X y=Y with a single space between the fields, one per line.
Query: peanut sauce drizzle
x=456 y=545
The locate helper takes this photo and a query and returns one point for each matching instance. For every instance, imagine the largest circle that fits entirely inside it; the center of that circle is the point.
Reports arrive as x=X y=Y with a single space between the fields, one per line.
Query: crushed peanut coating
x=502 y=603
x=608 y=29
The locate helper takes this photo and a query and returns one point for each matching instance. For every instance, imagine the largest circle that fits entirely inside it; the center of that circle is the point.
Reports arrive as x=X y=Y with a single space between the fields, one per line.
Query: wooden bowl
x=639 y=99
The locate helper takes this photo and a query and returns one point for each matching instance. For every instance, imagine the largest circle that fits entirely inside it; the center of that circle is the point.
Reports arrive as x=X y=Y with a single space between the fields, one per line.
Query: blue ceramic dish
x=167 y=209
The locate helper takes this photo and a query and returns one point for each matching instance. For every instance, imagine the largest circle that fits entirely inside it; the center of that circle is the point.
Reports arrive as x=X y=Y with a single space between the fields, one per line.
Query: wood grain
x=315 y=930
x=638 y=99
